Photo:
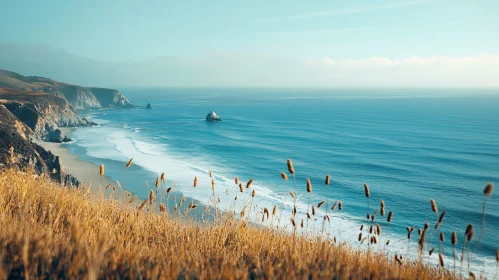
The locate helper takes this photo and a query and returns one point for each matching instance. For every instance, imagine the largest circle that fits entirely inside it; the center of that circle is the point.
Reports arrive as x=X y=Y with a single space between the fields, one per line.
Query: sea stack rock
x=213 y=117
x=148 y=106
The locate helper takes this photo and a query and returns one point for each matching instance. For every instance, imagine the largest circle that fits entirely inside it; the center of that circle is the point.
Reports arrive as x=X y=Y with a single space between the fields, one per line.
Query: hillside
x=79 y=97
x=16 y=136
x=54 y=232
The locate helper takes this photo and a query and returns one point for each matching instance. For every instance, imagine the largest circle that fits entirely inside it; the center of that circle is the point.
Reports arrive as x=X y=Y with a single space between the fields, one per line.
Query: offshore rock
x=213 y=117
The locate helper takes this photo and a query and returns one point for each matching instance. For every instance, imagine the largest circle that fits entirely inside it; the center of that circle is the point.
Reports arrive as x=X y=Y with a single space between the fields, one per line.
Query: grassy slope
x=52 y=231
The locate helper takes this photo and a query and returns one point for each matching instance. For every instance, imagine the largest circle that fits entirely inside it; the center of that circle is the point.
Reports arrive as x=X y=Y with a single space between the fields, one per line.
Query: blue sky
x=297 y=32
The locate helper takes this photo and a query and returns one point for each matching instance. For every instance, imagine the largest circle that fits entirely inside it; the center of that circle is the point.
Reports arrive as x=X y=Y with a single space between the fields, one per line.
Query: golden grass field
x=54 y=231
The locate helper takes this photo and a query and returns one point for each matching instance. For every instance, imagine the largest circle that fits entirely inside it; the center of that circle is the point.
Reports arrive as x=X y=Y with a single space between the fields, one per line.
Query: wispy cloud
x=349 y=11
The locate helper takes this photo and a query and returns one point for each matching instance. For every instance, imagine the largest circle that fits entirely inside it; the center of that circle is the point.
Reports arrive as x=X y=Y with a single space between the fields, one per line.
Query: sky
x=334 y=43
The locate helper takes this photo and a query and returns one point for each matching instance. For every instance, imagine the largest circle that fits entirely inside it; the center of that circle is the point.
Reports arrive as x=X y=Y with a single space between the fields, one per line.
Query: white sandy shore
x=88 y=174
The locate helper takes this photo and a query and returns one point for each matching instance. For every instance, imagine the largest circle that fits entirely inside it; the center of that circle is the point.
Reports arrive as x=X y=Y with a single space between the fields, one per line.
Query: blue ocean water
x=408 y=145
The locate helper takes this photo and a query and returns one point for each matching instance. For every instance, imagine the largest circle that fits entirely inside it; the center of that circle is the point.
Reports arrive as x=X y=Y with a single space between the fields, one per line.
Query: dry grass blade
x=334 y=205
x=142 y=205
x=440 y=219
x=441 y=260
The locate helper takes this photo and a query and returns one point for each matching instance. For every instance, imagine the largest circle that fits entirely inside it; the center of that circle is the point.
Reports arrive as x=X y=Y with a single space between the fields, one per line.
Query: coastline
x=88 y=174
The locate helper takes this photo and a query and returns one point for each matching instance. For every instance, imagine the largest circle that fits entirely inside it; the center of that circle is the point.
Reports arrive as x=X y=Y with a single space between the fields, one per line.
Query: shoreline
x=87 y=173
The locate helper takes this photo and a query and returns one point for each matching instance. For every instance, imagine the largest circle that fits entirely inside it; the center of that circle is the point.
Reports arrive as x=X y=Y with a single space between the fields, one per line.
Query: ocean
x=408 y=145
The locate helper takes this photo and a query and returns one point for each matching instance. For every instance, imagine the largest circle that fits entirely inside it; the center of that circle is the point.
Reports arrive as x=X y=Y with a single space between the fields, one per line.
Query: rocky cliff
x=43 y=113
x=18 y=151
x=79 y=97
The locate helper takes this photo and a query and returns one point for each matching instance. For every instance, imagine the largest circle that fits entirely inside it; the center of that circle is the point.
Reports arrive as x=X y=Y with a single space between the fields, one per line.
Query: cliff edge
x=17 y=150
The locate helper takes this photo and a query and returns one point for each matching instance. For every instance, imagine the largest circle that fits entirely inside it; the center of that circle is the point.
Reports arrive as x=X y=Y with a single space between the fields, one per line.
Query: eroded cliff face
x=79 y=97
x=43 y=113
x=18 y=151
x=111 y=98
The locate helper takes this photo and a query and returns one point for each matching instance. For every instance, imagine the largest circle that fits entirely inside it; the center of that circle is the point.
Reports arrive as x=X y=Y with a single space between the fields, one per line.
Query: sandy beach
x=88 y=174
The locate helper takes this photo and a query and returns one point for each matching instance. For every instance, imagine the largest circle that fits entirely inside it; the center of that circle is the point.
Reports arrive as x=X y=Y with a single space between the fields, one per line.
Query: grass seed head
x=129 y=163
x=469 y=233
x=101 y=170
x=366 y=190
x=248 y=185
x=488 y=189
x=328 y=180
x=309 y=186
x=291 y=169
x=434 y=207
x=453 y=239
